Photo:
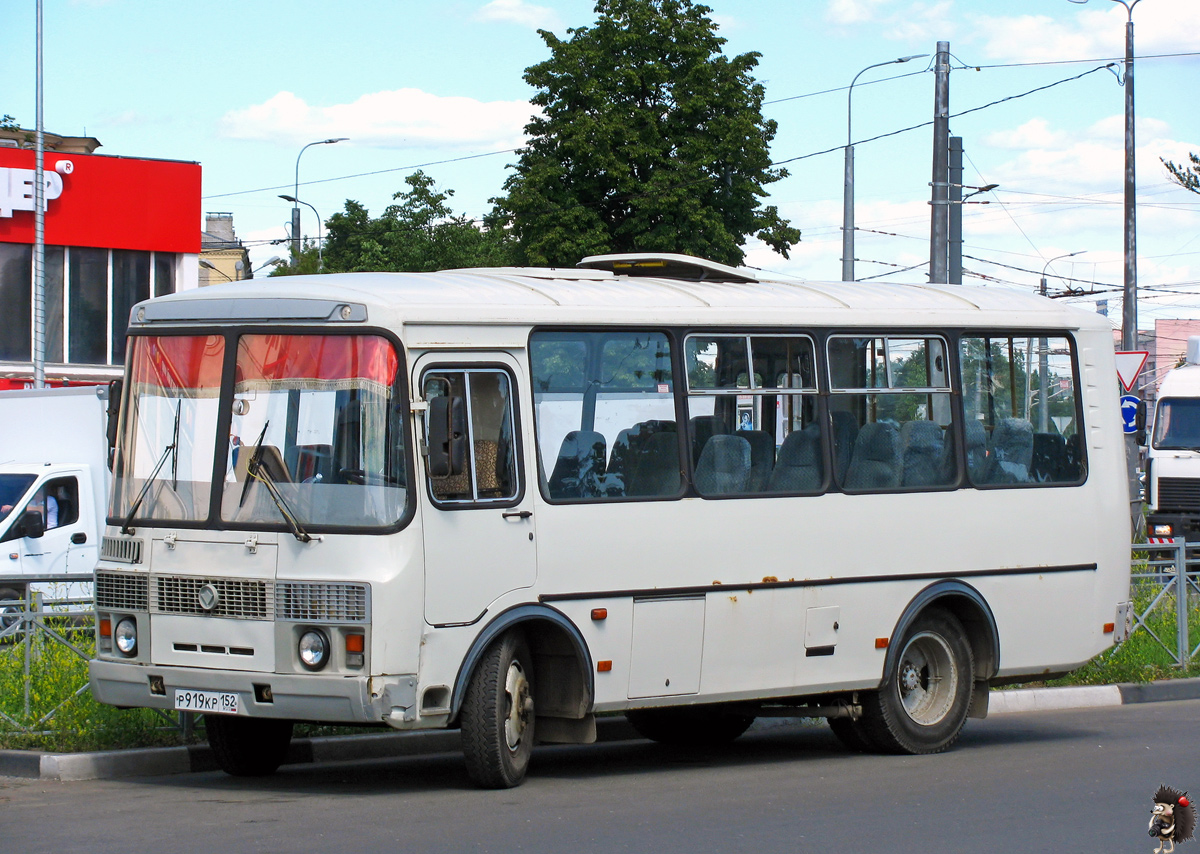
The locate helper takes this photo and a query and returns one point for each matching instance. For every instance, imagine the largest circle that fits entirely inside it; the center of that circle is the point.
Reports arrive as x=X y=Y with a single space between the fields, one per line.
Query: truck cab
x=1173 y=453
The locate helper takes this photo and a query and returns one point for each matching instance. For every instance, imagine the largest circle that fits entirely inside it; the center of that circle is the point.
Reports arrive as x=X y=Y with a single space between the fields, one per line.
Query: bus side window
x=1020 y=400
x=890 y=411
x=478 y=463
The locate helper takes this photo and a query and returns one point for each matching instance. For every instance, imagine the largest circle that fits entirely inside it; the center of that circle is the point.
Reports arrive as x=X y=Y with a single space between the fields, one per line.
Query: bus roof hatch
x=667 y=265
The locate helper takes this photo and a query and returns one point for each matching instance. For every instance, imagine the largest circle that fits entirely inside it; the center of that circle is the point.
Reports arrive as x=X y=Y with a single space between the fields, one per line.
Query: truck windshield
x=1177 y=424
x=315 y=435
x=12 y=489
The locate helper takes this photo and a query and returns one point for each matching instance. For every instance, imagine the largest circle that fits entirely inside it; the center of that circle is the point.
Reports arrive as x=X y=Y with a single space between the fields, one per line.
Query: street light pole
x=848 y=190
x=296 y=193
x=320 y=257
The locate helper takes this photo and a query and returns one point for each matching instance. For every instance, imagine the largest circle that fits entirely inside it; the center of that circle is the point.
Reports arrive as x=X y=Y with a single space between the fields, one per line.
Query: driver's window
x=489 y=468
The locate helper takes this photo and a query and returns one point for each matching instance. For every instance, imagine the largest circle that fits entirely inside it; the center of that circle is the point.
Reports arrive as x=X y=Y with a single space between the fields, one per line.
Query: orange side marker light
x=599 y=614
x=881 y=643
x=1109 y=628
x=603 y=666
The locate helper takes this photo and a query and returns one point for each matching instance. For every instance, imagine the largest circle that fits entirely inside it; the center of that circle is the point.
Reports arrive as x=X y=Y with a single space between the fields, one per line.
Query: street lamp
x=296 y=192
x=1044 y=357
x=206 y=265
x=848 y=198
x=240 y=267
x=320 y=257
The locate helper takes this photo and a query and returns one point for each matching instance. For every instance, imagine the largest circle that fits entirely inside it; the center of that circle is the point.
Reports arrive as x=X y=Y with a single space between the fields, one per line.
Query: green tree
x=1185 y=176
x=306 y=264
x=649 y=139
x=419 y=233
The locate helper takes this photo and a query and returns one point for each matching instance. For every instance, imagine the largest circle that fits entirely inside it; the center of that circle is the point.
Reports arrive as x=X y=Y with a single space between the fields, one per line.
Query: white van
x=54 y=481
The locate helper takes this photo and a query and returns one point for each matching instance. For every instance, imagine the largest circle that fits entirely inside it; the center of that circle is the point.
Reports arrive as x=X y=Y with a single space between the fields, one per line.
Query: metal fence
x=1164 y=578
x=60 y=615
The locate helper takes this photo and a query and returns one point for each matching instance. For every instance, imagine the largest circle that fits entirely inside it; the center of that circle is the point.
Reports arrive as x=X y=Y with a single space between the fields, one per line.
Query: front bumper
x=298 y=697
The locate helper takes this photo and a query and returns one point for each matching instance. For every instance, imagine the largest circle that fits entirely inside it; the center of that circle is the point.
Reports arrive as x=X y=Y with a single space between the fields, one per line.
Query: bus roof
x=527 y=296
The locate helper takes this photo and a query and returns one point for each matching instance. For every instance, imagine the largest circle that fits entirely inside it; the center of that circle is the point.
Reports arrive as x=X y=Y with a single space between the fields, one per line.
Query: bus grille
x=323 y=603
x=121 y=591
x=121 y=549
x=238 y=598
x=1178 y=493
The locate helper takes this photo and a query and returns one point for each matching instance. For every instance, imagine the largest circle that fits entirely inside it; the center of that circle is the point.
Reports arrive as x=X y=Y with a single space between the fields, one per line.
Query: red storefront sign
x=103 y=202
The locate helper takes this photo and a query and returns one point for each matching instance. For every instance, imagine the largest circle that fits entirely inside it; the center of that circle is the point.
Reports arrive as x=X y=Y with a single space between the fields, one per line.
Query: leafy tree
x=7 y=122
x=419 y=233
x=649 y=139
x=1185 y=176
x=305 y=265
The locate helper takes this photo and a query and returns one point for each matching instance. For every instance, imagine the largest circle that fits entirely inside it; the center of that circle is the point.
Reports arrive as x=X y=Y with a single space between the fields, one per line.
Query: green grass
x=76 y=721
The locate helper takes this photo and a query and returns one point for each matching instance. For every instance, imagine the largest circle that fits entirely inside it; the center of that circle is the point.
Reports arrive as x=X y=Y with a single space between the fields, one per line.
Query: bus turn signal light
x=1109 y=628
x=106 y=628
x=599 y=613
x=881 y=643
x=354 y=643
x=603 y=666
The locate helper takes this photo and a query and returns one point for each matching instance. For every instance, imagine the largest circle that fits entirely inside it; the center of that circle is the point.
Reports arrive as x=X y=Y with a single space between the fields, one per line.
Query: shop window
x=16 y=297
x=130 y=285
x=88 y=313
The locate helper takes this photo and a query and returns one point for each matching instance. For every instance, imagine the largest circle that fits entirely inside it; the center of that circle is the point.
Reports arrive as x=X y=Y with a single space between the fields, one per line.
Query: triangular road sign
x=1129 y=365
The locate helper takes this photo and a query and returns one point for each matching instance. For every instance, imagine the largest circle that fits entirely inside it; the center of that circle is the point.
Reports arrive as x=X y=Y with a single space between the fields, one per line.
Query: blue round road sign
x=1129 y=408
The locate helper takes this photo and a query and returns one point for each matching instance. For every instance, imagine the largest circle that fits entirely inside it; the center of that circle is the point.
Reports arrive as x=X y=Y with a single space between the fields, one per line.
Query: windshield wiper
x=169 y=450
x=255 y=470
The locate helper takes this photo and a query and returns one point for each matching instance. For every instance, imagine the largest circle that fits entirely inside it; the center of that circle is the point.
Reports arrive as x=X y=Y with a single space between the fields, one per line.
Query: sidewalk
x=156 y=761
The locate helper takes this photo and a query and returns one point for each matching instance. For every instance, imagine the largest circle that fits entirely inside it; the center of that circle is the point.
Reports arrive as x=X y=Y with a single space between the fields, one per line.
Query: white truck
x=1173 y=453
x=54 y=482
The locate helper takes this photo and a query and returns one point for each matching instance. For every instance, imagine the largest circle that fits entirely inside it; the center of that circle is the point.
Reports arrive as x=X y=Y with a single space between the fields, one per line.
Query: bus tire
x=248 y=747
x=689 y=726
x=852 y=734
x=923 y=705
x=498 y=716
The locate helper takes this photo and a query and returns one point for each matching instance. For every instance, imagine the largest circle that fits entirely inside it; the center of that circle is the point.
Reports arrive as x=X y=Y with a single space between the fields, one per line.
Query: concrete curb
x=156 y=761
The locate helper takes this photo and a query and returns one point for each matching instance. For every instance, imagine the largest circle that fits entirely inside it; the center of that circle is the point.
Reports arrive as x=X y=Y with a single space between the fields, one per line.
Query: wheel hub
x=520 y=705
x=910 y=677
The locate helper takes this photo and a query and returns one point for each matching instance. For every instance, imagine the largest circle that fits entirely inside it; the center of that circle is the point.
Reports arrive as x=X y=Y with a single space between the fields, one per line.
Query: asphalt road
x=1077 y=780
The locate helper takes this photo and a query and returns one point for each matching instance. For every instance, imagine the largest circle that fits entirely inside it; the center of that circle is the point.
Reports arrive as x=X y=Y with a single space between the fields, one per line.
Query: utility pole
x=940 y=218
x=39 y=229
x=954 y=272
x=1129 y=334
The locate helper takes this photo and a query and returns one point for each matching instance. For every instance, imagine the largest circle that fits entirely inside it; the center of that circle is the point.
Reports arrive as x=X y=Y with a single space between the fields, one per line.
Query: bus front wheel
x=248 y=747
x=923 y=705
x=498 y=716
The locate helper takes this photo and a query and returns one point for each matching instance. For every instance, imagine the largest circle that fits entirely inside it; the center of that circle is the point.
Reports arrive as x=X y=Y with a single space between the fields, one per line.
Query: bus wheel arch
x=942 y=651
x=564 y=686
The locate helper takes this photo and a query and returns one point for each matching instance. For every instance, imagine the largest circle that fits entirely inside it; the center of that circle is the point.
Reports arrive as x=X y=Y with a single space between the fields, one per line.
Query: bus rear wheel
x=248 y=747
x=923 y=704
x=691 y=726
x=498 y=715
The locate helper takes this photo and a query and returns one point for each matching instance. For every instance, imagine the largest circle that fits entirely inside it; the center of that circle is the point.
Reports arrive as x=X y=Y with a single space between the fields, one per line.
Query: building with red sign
x=117 y=230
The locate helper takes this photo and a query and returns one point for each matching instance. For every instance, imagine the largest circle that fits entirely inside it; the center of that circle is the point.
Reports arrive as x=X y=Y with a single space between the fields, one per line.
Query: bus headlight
x=313 y=649
x=125 y=636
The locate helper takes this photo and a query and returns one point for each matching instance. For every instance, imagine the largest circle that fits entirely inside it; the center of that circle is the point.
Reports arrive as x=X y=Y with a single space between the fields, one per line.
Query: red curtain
x=321 y=358
x=178 y=362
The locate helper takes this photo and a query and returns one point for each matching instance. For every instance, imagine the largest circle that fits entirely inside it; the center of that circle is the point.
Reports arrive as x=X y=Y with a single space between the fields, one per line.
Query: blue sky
x=241 y=87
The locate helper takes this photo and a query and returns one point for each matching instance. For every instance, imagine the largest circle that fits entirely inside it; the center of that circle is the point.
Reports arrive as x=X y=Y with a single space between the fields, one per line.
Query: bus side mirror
x=32 y=525
x=1139 y=423
x=447 y=435
x=114 y=412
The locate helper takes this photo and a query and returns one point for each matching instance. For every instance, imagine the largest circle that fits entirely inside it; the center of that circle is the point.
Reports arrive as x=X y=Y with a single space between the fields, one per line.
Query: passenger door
x=477 y=516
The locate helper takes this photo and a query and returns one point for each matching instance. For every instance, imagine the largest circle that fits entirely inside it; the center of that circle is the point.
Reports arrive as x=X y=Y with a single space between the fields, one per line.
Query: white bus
x=511 y=500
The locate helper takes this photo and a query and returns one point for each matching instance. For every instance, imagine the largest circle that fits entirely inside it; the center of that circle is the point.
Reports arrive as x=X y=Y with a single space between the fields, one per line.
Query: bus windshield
x=1177 y=424
x=315 y=439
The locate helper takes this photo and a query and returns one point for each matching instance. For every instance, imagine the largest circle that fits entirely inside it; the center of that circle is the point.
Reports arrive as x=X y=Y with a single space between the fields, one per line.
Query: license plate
x=209 y=702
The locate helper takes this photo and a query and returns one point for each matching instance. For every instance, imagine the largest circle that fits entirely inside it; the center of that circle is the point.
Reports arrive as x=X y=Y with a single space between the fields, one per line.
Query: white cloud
x=1093 y=31
x=402 y=118
x=897 y=21
x=520 y=12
